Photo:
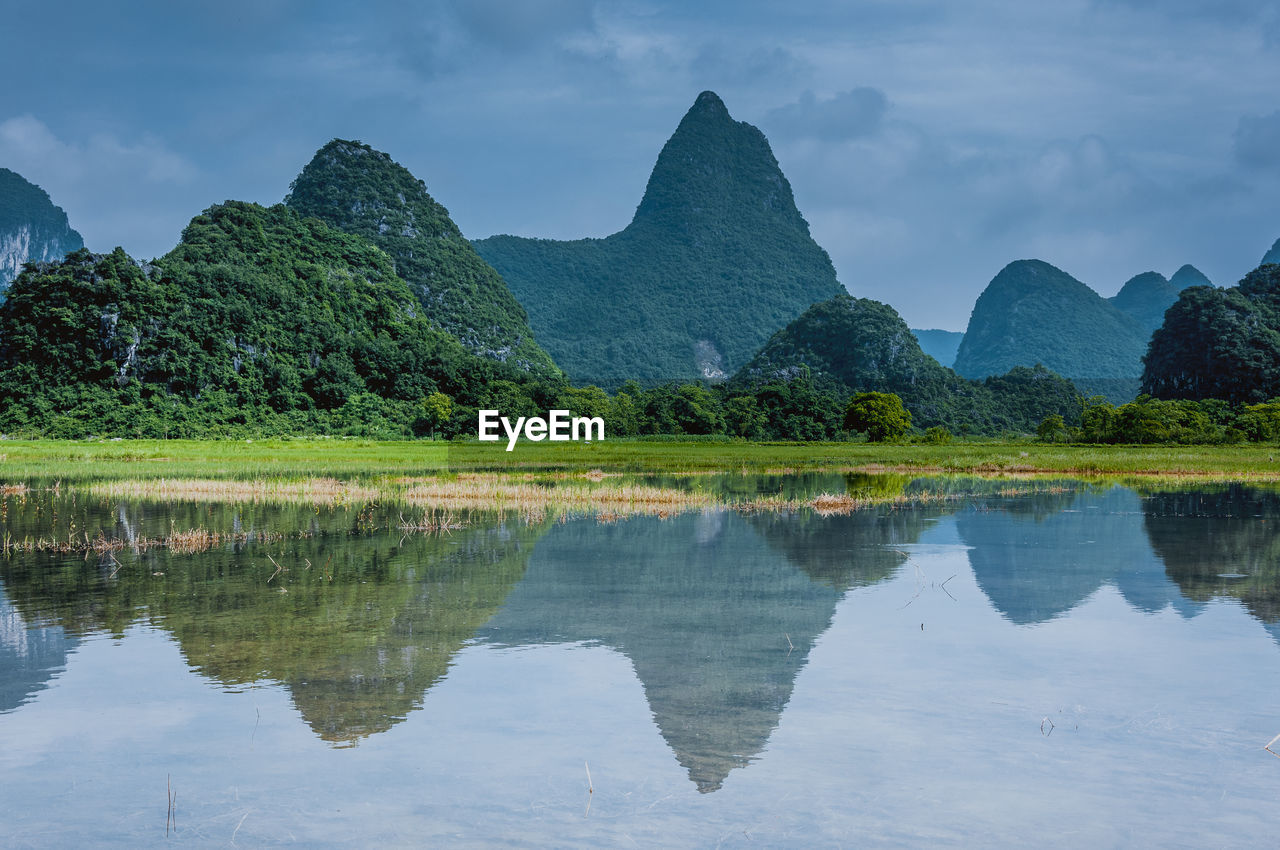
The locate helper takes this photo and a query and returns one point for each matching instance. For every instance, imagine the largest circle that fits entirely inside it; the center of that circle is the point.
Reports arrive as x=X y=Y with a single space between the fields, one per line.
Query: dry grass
x=13 y=489
x=501 y=492
x=190 y=542
x=433 y=522
x=319 y=491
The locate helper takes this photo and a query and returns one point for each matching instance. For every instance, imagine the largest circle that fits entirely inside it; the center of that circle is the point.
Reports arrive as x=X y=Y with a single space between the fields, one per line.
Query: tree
x=880 y=416
x=436 y=410
x=1052 y=429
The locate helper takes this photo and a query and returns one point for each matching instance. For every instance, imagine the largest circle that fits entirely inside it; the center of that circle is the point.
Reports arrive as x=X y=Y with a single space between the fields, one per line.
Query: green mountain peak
x=1032 y=312
x=363 y=191
x=715 y=260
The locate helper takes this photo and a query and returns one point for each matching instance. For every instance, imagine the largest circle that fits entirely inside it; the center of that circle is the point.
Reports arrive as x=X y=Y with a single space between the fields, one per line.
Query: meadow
x=23 y=461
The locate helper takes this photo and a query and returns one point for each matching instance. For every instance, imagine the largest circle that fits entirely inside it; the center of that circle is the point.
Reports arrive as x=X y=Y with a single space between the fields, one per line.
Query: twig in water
x=171 y=819
x=944 y=588
x=237 y=829
x=279 y=569
x=590 y=789
x=1051 y=726
x=1268 y=746
x=791 y=647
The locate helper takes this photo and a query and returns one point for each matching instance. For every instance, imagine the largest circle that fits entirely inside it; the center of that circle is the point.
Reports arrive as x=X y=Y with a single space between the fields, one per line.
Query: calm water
x=1087 y=666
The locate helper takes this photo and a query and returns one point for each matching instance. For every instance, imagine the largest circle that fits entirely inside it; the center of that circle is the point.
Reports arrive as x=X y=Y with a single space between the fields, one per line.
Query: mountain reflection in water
x=717 y=611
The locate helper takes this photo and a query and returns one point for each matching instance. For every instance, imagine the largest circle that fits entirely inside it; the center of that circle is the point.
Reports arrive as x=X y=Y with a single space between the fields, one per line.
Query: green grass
x=52 y=460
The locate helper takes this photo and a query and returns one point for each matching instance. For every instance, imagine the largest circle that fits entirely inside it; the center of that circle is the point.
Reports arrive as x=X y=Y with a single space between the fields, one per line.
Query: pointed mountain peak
x=716 y=174
x=1189 y=276
x=1273 y=256
x=709 y=105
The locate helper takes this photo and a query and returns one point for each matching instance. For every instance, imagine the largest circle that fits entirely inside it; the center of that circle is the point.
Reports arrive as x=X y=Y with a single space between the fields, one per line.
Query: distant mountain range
x=940 y=345
x=32 y=229
x=849 y=345
x=716 y=259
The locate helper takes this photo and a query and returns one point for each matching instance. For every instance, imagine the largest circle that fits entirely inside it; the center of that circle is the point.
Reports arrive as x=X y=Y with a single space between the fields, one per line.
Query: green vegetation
x=880 y=416
x=716 y=259
x=259 y=322
x=29 y=218
x=63 y=460
x=1034 y=313
x=849 y=345
x=362 y=191
x=1219 y=343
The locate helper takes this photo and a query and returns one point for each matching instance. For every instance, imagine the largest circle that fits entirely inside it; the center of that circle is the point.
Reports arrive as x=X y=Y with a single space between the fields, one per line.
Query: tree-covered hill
x=258 y=321
x=715 y=260
x=32 y=229
x=1144 y=298
x=1189 y=276
x=359 y=190
x=1032 y=312
x=849 y=345
x=1219 y=343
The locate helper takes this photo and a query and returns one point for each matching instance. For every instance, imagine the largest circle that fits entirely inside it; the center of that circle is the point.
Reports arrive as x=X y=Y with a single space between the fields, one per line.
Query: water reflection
x=1037 y=557
x=30 y=655
x=718 y=612
x=714 y=621
x=357 y=627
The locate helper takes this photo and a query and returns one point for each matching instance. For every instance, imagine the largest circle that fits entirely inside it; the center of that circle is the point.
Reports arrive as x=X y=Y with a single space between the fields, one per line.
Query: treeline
x=1152 y=421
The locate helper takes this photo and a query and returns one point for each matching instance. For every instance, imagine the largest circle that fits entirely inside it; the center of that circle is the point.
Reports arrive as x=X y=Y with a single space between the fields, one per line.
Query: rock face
x=715 y=260
x=1032 y=312
x=1272 y=256
x=359 y=190
x=940 y=345
x=32 y=229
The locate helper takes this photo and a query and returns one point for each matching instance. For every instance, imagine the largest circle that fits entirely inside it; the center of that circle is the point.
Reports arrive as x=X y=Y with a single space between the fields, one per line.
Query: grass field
x=50 y=460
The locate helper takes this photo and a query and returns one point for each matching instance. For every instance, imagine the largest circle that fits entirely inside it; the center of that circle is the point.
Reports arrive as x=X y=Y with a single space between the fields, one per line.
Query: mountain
x=32 y=229
x=1219 y=343
x=1272 y=256
x=849 y=345
x=1189 y=276
x=715 y=260
x=258 y=320
x=362 y=191
x=1034 y=313
x=1145 y=297
x=940 y=345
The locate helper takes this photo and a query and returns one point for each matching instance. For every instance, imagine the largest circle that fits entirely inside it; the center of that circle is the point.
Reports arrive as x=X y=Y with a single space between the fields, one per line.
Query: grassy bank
x=51 y=460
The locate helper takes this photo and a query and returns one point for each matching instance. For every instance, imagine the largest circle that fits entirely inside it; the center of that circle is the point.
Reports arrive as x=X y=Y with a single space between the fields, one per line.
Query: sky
x=928 y=144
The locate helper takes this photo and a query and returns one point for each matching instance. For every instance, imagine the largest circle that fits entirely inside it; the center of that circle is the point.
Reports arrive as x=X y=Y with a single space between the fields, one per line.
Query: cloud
x=847 y=115
x=520 y=25
x=115 y=192
x=1257 y=141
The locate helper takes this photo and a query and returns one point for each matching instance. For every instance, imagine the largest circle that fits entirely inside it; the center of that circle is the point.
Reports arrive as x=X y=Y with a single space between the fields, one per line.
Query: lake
x=1052 y=663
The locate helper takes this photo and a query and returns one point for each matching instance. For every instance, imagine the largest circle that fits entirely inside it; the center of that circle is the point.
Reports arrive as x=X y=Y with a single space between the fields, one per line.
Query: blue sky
x=928 y=143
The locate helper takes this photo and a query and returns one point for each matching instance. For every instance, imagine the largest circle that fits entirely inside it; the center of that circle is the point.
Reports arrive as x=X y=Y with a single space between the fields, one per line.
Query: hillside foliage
x=715 y=260
x=362 y=191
